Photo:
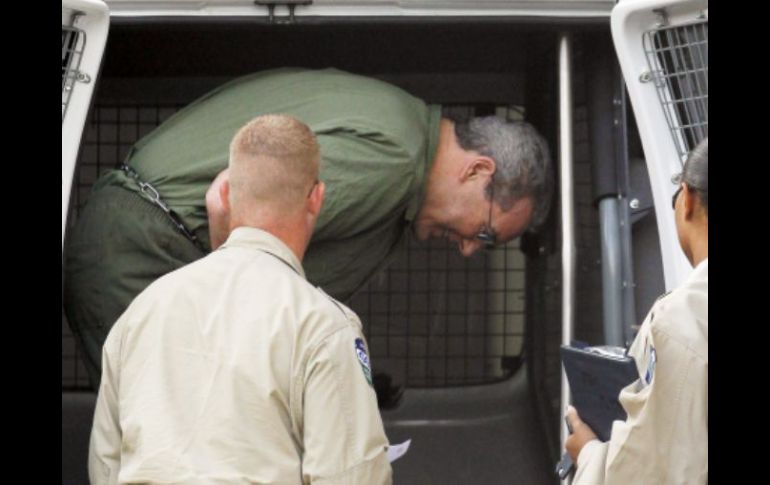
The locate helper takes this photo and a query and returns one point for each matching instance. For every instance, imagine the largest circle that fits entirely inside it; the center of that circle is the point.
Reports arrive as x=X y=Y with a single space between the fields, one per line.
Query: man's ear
x=224 y=192
x=688 y=203
x=218 y=209
x=316 y=198
x=478 y=166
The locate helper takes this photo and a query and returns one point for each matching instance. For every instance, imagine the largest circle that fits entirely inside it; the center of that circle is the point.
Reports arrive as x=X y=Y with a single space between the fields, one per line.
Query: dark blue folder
x=596 y=381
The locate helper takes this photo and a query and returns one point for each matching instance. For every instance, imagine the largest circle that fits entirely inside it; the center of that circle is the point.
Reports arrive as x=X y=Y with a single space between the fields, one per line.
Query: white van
x=467 y=350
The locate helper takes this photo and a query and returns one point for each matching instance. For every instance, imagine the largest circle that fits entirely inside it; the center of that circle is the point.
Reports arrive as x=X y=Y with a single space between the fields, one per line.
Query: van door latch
x=291 y=4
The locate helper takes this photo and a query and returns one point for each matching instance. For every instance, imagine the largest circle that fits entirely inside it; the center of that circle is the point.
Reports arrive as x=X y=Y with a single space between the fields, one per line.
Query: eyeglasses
x=487 y=234
x=676 y=194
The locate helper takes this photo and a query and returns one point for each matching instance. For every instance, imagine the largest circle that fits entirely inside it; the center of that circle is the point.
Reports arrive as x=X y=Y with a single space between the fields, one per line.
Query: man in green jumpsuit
x=389 y=162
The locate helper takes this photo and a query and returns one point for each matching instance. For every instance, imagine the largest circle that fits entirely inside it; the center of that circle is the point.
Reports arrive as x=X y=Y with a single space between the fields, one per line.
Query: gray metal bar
x=609 y=182
x=624 y=211
x=627 y=263
x=568 y=247
x=612 y=273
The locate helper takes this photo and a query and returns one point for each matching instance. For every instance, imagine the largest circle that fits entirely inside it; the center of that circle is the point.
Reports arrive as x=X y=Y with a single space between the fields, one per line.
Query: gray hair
x=522 y=159
x=696 y=172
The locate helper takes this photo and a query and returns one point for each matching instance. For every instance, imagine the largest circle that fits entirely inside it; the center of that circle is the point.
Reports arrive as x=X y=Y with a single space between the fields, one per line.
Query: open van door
x=84 y=26
x=662 y=48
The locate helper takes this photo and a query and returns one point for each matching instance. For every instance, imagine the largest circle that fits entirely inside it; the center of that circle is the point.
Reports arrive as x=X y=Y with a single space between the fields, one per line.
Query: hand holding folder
x=596 y=376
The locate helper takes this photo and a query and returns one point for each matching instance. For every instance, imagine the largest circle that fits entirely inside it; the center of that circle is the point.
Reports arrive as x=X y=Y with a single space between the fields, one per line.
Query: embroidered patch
x=363 y=359
x=650 y=366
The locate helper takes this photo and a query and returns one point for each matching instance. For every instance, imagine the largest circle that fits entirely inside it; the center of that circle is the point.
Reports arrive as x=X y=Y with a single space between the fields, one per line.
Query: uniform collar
x=702 y=268
x=261 y=240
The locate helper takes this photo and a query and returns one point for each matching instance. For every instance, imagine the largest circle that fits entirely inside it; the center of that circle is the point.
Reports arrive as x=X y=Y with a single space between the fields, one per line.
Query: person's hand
x=580 y=434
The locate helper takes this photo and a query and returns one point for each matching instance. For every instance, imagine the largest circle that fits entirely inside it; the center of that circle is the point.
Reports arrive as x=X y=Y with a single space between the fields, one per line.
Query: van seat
x=77 y=413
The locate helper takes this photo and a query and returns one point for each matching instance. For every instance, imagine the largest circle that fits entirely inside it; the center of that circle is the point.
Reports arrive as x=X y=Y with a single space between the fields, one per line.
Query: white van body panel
x=359 y=8
x=92 y=18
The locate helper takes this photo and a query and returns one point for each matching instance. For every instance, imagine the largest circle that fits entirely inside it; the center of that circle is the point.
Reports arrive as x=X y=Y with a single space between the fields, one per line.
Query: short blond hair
x=274 y=161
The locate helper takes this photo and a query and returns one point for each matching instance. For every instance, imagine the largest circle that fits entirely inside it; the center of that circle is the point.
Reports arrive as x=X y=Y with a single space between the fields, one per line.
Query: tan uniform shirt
x=234 y=369
x=664 y=440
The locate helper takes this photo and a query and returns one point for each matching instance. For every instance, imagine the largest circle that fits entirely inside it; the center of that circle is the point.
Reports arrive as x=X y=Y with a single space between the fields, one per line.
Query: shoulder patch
x=650 y=373
x=363 y=359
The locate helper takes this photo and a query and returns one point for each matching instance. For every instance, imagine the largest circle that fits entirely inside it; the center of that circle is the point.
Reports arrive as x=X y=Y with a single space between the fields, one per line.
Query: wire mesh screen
x=678 y=59
x=432 y=318
x=72 y=42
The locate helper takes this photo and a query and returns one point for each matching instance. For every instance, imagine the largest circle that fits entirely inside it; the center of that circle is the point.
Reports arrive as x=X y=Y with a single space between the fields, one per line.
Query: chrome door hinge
x=291 y=4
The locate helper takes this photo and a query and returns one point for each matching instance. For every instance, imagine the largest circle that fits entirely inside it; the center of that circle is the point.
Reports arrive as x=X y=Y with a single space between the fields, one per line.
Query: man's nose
x=468 y=246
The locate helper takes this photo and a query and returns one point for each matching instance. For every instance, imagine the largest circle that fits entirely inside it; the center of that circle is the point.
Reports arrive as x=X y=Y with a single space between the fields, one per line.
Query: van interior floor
x=486 y=434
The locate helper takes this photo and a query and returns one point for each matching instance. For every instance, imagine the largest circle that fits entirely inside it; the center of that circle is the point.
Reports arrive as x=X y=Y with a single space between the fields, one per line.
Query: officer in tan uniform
x=234 y=369
x=664 y=439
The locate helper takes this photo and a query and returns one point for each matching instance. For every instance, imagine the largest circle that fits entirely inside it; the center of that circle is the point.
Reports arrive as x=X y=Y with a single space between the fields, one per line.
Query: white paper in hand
x=397 y=451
